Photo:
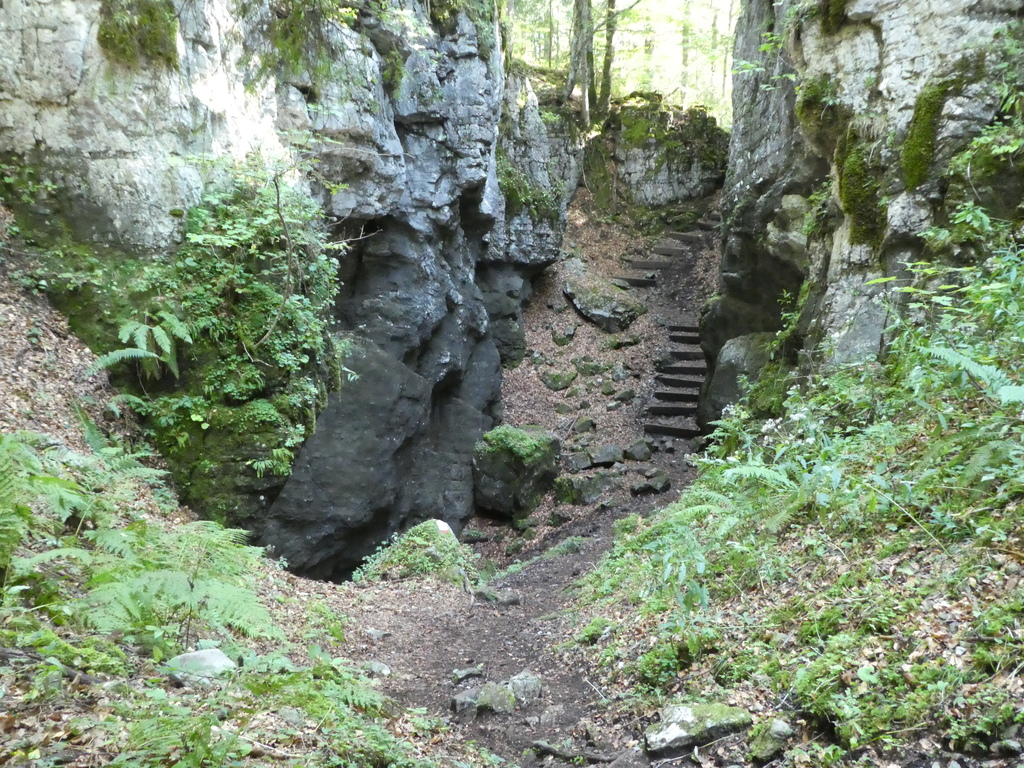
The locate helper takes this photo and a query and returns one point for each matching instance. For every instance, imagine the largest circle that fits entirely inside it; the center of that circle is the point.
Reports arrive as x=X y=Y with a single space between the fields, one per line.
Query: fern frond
x=767 y=475
x=162 y=340
x=174 y=324
x=140 y=334
x=119 y=356
x=1011 y=393
x=984 y=457
x=780 y=520
x=986 y=374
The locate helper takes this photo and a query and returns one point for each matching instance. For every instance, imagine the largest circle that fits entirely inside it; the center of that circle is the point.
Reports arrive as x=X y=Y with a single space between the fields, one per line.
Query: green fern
x=988 y=375
x=14 y=513
x=770 y=477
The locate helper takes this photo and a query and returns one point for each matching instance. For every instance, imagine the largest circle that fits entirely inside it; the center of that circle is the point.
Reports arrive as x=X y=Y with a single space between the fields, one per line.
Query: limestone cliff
x=404 y=133
x=846 y=115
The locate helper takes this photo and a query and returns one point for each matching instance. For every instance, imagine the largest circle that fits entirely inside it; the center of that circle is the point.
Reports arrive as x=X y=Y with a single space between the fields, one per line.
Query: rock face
x=609 y=308
x=833 y=177
x=650 y=155
x=406 y=134
x=684 y=726
x=513 y=469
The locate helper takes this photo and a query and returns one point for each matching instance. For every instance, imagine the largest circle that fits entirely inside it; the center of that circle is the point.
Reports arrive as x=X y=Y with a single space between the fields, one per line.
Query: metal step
x=691 y=238
x=687 y=396
x=669 y=250
x=671 y=430
x=683 y=329
x=713 y=216
x=707 y=226
x=685 y=369
x=672 y=410
x=637 y=282
x=684 y=338
x=644 y=264
x=694 y=383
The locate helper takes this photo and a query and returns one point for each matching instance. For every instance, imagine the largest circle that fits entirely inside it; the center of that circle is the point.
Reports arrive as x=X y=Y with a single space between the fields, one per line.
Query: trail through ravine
x=429 y=635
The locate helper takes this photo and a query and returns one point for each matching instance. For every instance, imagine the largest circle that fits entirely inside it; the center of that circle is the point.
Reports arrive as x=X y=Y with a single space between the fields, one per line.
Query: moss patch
x=919 y=146
x=131 y=31
x=821 y=114
x=859 y=184
x=833 y=15
x=428 y=549
x=444 y=14
x=522 y=193
x=529 y=447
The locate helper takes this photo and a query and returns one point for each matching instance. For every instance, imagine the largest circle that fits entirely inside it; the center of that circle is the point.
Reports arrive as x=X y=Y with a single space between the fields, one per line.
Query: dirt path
x=423 y=632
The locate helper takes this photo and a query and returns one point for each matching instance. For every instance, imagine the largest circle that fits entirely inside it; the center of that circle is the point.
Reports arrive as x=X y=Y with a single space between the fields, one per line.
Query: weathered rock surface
x=433 y=286
x=513 y=469
x=200 y=667
x=816 y=194
x=684 y=726
x=740 y=359
x=526 y=688
x=584 y=489
x=609 y=308
x=769 y=740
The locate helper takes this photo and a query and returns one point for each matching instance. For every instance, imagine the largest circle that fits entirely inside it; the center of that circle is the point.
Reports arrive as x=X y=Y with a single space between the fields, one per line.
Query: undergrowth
x=887 y=495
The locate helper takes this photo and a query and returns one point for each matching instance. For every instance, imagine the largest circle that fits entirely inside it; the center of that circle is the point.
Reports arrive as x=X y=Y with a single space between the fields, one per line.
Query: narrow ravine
x=430 y=635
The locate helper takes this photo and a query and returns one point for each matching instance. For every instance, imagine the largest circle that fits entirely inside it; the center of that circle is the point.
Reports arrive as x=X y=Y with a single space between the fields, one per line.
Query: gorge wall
x=847 y=114
x=114 y=143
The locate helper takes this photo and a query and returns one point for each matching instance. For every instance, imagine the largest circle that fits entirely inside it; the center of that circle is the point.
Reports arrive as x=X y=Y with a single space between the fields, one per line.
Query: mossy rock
x=93 y=655
x=609 y=308
x=556 y=381
x=513 y=469
x=132 y=31
x=860 y=179
x=428 y=549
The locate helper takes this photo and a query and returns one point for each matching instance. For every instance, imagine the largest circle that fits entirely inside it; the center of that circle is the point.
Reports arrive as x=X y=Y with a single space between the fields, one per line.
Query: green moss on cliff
x=820 y=112
x=521 y=192
x=444 y=14
x=246 y=301
x=833 y=15
x=859 y=184
x=919 y=146
x=131 y=31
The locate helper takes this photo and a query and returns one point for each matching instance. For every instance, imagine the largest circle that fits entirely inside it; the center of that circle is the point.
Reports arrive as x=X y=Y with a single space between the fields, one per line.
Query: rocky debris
x=626 y=395
x=376 y=635
x=768 y=740
x=583 y=426
x=513 y=469
x=684 y=726
x=632 y=758
x=655 y=481
x=462 y=675
x=584 y=489
x=740 y=360
x=638 y=450
x=579 y=462
x=200 y=667
x=526 y=688
x=376 y=669
x=600 y=302
x=606 y=455
x=496 y=698
x=465 y=701
x=565 y=336
x=556 y=381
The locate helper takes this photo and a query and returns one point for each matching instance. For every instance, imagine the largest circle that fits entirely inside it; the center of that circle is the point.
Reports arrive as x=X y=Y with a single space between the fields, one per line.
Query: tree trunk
x=605 y=97
x=684 y=75
x=581 y=54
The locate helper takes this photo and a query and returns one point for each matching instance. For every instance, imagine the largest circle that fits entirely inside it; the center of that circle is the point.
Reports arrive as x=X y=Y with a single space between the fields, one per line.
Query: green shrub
x=424 y=550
